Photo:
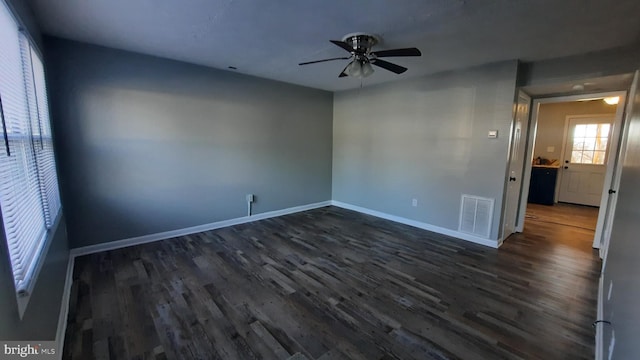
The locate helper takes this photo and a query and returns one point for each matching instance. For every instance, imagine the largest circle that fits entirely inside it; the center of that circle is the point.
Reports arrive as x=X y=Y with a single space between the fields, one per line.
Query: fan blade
x=343 y=45
x=389 y=66
x=398 y=52
x=343 y=73
x=318 y=61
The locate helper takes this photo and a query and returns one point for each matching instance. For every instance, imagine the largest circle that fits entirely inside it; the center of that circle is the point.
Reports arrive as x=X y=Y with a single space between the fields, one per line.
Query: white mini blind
x=41 y=132
x=24 y=184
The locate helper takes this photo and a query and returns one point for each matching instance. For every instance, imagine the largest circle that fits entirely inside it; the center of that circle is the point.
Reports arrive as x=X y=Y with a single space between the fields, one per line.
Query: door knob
x=566 y=161
x=611 y=191
x=566 y=167
x=511 y=178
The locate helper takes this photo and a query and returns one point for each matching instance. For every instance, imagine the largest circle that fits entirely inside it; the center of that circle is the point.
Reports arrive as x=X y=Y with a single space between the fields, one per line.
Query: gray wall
x=41 y=317
x=148 y=145
x=622 y=265
x=551 y=122
x=425 y=138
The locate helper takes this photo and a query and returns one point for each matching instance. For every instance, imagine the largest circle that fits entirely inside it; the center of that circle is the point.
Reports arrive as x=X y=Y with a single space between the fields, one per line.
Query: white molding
x=612 y=174
x=23 y=300
x=64 y=306
x=91 y=249
x=118 y=244
x=524 y=138
x=599 y=316
x=418 y=224
x=113 y=245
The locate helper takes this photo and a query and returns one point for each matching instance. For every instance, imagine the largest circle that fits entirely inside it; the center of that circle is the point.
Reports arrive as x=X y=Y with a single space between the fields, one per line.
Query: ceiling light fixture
x=360 y=67
x=367 y=69
x=612 y=100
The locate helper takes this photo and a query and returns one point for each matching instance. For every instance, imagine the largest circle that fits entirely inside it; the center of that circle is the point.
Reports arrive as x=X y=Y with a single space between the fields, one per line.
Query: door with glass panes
x=585 y=159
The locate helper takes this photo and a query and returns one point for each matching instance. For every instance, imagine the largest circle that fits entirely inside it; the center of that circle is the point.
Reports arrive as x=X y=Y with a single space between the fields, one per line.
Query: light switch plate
x=493 y=134
x=551 y=149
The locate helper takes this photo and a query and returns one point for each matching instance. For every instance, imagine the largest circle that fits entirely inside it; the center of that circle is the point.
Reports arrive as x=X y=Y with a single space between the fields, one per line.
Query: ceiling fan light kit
x=359 y=46
x=359 y=68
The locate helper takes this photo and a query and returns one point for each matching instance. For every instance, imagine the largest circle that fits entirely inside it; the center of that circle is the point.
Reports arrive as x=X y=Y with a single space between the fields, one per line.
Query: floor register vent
x=476 y=215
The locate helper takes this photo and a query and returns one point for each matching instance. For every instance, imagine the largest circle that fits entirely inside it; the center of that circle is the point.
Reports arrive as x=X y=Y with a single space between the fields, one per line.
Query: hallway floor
x=580 y=216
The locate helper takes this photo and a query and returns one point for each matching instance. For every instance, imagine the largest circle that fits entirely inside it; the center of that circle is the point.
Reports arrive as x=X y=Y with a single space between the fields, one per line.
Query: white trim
x=113 y=245
x=91 y=249
x=64 y=306
x=118 y=244
x=23 y=300
x=531 y=142
x=524 y=136
x=617 y=171
x=600 y=315
x=418 y=224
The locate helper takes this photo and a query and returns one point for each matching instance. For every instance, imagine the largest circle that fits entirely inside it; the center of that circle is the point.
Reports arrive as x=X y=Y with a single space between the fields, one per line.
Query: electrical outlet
x=551 y=149
x=414 y=202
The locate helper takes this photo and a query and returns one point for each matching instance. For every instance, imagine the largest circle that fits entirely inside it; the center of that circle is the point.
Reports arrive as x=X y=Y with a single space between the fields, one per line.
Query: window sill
x=23 y=298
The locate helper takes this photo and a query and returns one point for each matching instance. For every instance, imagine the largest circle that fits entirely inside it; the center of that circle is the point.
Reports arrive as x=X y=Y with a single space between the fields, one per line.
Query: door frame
x=611 y=162
x=617 y=172
x=524 y=136
x=563 y=151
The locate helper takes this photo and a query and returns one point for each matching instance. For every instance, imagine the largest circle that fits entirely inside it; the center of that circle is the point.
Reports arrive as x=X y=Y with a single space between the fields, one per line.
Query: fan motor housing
x=361 y=42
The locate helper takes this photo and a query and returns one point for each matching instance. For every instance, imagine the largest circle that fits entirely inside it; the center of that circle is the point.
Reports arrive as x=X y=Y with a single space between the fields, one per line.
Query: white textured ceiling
x=268 y=38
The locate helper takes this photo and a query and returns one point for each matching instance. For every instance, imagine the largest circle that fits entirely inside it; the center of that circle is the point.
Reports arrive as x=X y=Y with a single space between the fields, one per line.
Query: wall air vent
x=476 y=215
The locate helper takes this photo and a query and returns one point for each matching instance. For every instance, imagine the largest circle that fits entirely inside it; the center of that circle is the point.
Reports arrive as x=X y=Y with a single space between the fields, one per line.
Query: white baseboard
x=86 y=250
x=599 y=316
x=418 y=224
x=91 y=249
x=118 y=244
x=64 y=307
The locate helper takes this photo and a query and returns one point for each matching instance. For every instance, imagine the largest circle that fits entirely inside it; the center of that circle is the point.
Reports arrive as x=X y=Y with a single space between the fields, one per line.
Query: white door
x=585 y=158
x=618 y=290
x=516 y=165
x=615 y=183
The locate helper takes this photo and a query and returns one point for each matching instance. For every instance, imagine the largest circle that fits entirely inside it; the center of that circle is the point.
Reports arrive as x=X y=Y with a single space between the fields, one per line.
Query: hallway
x=563 y=225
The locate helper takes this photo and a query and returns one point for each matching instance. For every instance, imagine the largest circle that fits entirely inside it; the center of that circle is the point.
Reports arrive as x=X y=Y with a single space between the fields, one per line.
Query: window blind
x=41 y=133
x=25 y=163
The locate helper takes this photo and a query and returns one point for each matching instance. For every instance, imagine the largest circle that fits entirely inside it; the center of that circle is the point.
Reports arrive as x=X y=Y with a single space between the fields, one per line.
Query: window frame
x=33 y=138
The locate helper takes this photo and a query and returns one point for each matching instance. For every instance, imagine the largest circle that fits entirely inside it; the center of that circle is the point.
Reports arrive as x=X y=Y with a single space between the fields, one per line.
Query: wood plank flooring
x=564 y=214
x=335 y=284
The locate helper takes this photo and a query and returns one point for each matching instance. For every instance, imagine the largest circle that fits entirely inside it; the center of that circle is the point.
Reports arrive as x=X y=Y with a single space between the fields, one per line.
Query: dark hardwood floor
x=335 y=284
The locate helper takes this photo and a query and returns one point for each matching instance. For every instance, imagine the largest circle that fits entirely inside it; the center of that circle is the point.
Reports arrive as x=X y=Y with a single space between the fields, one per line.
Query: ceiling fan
x=359 y=45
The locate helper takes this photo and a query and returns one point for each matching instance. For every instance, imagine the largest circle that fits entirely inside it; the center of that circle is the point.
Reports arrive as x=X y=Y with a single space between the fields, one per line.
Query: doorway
x=573 y=142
